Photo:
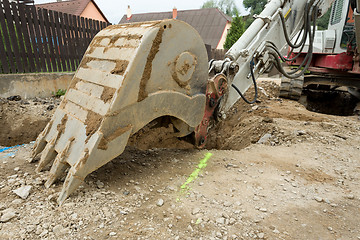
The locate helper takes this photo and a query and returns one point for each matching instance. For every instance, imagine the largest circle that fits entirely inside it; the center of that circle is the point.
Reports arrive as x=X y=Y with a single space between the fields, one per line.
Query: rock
x=16 y=169
x=16 y=202
x=350 y=196
x=261 y=235
x=220 y=220
x=160 y=202
x=23 y=191
x=195 y=211
x=50 y=107
x=8 y=214
x=264 y=138
x=111 y=234
x=318 y=199
x=100 y=184
x=263 y=209
x=14 y=98
x=58 y=230
x=276 y=231
x=73 y=216
x=43 y=233
x=300 y=132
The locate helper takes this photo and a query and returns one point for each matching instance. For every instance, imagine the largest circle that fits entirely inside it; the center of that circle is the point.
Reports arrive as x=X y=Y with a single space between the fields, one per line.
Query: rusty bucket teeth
x=130 y=75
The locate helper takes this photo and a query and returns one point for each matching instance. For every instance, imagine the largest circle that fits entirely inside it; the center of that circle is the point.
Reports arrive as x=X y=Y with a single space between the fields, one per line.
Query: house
x=212 y=24
x=83 y=8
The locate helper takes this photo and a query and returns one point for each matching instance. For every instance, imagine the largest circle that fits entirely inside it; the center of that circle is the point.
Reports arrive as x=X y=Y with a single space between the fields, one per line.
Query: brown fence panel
x=39 y=40
x=29 y=56
x=3 y=54
x=13 y=39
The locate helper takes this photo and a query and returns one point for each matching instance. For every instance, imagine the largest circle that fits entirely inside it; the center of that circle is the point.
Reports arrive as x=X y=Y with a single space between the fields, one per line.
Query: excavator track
x=291 y=88
x=130 y=75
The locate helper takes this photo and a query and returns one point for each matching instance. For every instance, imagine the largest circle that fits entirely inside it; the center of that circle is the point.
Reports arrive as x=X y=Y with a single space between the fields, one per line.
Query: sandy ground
x=301 y=182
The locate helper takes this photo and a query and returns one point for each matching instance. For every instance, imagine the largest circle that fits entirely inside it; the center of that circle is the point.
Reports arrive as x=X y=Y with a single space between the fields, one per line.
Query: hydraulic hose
x=255 y=85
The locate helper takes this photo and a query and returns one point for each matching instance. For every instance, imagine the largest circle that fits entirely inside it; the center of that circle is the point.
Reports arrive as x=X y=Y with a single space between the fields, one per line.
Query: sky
x=115 y=9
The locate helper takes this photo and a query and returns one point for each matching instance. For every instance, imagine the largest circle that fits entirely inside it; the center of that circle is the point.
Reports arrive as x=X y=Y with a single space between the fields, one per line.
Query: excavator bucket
x=130 y=75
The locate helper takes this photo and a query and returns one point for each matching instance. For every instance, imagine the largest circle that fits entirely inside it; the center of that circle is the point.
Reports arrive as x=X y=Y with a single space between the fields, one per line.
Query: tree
x=255 y=7
x=227 y=6
x=236 y=30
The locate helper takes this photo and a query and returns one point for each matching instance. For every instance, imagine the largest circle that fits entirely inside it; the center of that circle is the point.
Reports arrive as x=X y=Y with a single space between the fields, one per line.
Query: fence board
x=49 y=39
x=12 y=34
x=54 y=41
x=65 y=53
x=19 y=37
x=26 y=34
x=3 y=58
x=59 y=41
x=38 y=46
x=77 y=39
x=39 y=40
x=69 y=40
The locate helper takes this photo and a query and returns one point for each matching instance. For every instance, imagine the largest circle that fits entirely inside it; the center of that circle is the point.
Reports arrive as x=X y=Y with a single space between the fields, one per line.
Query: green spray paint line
x=195 y=174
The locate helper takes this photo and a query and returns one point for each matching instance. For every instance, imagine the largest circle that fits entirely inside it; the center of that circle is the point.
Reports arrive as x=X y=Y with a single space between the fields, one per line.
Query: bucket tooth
x=130 y=75
x=40 y=142
x=59 y=166
x=57 y=169
x=72 y=182
x=48 y=154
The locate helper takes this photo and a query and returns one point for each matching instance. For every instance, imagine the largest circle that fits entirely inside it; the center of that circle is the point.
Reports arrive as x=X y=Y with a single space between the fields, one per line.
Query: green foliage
x=255 y=7
x=227 y=6
x=59 y=93
x=323 y=22
x=236 y=30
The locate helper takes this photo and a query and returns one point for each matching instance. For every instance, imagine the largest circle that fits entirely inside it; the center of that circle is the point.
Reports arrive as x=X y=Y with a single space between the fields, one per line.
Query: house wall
x=223 y=37
x=92 y=12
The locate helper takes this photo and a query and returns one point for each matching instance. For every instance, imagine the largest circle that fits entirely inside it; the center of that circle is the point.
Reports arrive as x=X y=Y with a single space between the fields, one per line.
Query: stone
x=350 y=196
x=160 y=202
x=7 y=215
x=16 y=202
x=220 y=220
x=264 y=138
x=111 y=234
x=263 y=209
x=276 y=231
x=318 y=199
x=23 y=191
x=100 y=184
x=261 y=235
x=58 y=230
x=195 y=211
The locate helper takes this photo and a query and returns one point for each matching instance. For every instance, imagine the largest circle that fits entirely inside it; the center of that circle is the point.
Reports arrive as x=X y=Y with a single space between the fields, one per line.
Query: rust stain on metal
x=103 y=145
x=107 y=94
x=148 y=66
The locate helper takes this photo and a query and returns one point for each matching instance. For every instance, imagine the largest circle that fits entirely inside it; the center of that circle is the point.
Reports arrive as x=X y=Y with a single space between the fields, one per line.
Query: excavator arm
x=134 y=73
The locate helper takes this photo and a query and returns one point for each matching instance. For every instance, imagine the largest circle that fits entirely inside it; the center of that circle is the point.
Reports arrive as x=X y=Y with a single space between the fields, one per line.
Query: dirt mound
x=243 y=125
x=21 y=121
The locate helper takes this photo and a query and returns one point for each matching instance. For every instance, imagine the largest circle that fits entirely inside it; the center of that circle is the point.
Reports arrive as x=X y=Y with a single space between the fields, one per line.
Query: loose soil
x=302 y=182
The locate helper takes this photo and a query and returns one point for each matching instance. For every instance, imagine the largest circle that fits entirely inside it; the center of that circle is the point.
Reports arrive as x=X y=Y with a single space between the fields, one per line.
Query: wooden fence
x=40 y=40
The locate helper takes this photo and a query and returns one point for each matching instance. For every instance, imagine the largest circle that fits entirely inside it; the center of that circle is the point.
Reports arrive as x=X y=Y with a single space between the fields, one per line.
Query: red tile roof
x=74 y=7
x=209 y=22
